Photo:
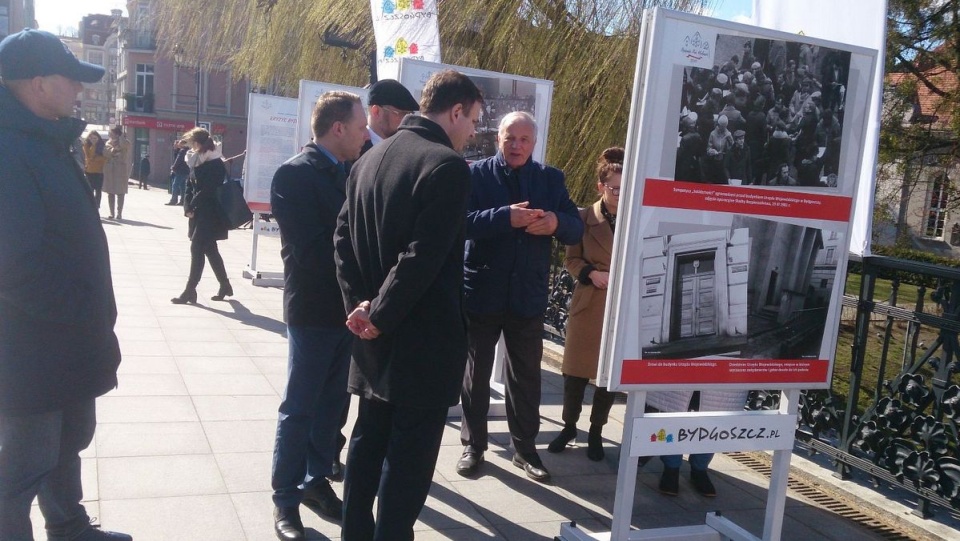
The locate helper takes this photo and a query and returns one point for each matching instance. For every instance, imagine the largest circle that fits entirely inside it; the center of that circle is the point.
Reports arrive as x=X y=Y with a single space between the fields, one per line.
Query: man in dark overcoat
x=305 y=198
x=399 y=247
x=58 y=349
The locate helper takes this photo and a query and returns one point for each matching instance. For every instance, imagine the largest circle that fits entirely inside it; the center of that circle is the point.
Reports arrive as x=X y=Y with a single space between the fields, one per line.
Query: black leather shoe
x=469 y=462
x=568 y=434
x=287 y=524
x=532 y=465
x=94 y=533
x=670 y=481
x=336 y=470
x=186 y=297
x=225 y=291
x=322 y=500
x=701 y=483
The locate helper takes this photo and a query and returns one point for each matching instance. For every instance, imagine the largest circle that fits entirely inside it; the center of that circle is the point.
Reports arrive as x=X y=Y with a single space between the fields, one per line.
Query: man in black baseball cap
x=389 y=102
x=35 y=53
x=58 y=349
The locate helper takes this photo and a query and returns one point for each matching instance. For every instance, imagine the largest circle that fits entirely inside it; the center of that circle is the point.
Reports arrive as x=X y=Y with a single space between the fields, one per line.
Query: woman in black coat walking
x=207 y=224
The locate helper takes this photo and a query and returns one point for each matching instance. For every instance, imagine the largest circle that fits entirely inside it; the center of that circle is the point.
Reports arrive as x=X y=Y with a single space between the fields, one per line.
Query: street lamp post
x=180 y=60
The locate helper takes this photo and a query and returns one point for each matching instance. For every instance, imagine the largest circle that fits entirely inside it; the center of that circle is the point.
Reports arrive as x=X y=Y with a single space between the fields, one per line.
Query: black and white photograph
x=749 y=289
x=502 y=94
x=768 y=113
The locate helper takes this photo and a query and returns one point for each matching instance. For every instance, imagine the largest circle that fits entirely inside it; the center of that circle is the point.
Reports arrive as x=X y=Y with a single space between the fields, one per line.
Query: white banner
x=659 y=434
x=404 y=29
x=310 y=92
x=271 y=132
x=857 y=22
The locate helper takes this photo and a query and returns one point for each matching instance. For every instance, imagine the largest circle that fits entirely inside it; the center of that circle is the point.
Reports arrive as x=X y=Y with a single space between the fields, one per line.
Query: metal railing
x=893 y=409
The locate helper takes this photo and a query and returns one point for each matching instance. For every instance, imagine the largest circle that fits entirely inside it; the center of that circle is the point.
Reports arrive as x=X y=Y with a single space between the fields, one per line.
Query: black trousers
x=393 y=452
x=198 y=250
x=574 y=389
x=524 y=340
x=96 y=184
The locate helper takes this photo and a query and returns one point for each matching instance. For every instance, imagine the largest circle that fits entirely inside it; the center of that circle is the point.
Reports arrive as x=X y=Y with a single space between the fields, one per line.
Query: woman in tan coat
x=116 y=173
x=589 y=264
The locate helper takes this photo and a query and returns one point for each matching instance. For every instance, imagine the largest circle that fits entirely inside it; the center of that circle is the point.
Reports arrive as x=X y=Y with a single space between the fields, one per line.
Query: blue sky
x=59 y=15
x=734 y=10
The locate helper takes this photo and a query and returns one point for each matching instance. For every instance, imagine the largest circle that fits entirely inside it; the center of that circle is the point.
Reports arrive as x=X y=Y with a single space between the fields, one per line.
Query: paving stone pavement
x=183 y=446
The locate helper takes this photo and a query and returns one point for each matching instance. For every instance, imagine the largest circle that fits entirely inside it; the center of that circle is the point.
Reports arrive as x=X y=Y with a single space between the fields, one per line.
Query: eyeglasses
x=615 y=190
x=395 y=111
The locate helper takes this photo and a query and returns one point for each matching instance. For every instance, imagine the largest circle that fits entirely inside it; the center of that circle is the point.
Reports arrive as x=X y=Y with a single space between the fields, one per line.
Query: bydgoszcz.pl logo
x=702 y=433
x=404 y=9
x=400 y=48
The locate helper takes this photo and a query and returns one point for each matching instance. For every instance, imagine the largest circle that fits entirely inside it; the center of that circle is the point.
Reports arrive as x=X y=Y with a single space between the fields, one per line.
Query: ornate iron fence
x=558 y=300
x=893 y=410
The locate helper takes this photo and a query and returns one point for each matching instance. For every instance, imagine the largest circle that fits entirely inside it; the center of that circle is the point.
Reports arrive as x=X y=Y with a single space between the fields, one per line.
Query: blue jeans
x=697 y=462
x=40 y=457
x=313 y=402
x=176 y=189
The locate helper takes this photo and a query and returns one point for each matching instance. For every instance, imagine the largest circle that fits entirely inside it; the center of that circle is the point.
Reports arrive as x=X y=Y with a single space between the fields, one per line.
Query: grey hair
x=510 y=119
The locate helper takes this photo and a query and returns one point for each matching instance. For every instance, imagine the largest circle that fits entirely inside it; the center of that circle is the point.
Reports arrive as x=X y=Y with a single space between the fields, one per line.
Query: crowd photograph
x=769 y=113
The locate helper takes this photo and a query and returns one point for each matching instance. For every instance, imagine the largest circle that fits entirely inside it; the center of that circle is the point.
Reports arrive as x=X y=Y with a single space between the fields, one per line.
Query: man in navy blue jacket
x=58 y=350
x=305 y=197
x=516 y=206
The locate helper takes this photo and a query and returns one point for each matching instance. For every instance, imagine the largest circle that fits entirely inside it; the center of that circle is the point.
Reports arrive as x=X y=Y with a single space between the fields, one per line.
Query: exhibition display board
x=731 y=243
x=502 y=94
x=271 y=132
x=730 y=281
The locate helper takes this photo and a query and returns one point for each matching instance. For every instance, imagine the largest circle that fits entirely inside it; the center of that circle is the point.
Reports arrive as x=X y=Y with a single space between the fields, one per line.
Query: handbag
x=232 y=204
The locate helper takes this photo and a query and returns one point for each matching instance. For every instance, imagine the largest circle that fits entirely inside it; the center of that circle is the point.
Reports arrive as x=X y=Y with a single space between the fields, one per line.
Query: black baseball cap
x=34 y=53
x=392 y=93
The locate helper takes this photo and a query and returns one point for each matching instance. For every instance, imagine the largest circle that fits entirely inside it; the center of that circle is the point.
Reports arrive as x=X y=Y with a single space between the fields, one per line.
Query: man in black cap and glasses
x=388 y=102
x=58 y=350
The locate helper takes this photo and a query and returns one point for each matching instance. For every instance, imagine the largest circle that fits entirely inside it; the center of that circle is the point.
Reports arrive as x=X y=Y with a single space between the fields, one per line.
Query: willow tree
x=586 y=47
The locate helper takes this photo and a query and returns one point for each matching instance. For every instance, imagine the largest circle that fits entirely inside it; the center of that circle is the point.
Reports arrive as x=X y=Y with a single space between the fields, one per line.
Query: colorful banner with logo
x=856 y=23
x=404 y=29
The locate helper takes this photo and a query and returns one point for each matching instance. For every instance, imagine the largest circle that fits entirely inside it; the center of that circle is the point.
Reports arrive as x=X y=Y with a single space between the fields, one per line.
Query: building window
x=96 y=39
x=830 y=256
x=144 y=79
x=937 y=208
x=823 y=283
x=955 y=235
x=4 y=18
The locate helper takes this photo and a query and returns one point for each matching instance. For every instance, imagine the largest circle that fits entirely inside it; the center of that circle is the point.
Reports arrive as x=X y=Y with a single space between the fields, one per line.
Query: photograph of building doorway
x=749 y=289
